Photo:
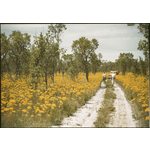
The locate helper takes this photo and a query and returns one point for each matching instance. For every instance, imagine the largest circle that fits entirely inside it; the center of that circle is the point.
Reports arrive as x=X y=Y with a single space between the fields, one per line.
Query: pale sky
x=113 y=38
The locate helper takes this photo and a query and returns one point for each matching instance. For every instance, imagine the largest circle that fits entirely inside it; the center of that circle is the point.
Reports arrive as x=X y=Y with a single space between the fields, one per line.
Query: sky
x=113 y=38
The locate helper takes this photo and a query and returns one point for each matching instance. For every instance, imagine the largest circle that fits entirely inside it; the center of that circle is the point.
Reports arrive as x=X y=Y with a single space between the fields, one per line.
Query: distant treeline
x=44 y=57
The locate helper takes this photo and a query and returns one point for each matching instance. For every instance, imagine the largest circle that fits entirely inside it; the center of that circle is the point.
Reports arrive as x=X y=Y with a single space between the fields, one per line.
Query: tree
x=85 y=48
x=135 y=67
x=40 y=62
x=128 y=59
x=100 y=56
x=143 y=66
x=19 y=50
x=143 y=45
x=117 y=65
x=5 y=67
x=53 y=41
x=123 y=65
x=72 y=66
x=95 y=62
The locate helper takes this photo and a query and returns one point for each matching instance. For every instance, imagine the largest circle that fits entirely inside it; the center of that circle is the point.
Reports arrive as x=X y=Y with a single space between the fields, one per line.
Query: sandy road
x=86 y=115
x=122 y=116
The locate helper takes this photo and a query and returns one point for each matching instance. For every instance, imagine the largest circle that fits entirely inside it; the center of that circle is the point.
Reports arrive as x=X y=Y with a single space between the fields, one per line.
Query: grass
x=136 y=106
x=107 y=106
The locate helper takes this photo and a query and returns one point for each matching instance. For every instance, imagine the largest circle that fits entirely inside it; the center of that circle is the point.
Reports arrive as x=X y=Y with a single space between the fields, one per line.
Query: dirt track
x=122 y=116
x=87 y=114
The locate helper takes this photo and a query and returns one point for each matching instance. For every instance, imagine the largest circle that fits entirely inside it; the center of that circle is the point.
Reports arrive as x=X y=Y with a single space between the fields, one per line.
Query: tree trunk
x=87 y=73
x=36 y=82
x=46 y=79
x=53 y=78
x=63 y=74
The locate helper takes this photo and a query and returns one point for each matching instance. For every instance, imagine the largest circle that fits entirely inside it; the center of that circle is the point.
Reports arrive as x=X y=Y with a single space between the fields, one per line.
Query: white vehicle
x=112 y=72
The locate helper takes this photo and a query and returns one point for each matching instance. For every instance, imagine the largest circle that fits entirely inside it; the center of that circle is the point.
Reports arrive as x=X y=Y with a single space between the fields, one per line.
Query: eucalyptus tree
x=136 y=66
x=71 y=65
x=19 y=50
x=123 y=65
x=85 y=48
x=143 y=66
x=143 y=44
x=128 y=59
x=38 y=67
x=95 y=62
x=53 y=40
x=61 y=63
x=5 y=49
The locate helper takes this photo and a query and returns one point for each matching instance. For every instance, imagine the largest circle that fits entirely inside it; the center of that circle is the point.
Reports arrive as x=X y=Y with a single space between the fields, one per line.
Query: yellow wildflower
x=133 y=100
x=147 y=118
x=147 y=109
x=11 y=108
x=29 y=107
x=12 y=101
x=144 y=105
x=24 y=110
x=64 y=98
x=32 y=116
x=6 y=109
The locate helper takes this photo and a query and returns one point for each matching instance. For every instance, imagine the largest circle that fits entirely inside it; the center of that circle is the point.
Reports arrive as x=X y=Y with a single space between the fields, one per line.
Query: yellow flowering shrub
x=22 y=98
x=139 y=86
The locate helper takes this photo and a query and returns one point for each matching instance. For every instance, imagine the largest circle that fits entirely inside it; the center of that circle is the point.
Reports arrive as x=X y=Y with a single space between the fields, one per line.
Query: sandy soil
x=122 y=116
x=87 y=114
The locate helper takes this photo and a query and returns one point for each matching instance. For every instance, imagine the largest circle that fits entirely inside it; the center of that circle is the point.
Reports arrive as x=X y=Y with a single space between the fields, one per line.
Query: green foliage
x=123 y=65
x=15 y=52
x=46 y=52
x=5 y=49
x=53 y=52
x=85 y=49
x=135 y=68
x=143 y=45
x=95 y=62
x=143 y=66
x=126 y=61
x=107 y=66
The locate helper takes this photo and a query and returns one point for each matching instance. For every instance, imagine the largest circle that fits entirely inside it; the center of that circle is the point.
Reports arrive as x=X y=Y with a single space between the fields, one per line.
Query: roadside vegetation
x=25 y=105
x=136 y=89
x=106 y=107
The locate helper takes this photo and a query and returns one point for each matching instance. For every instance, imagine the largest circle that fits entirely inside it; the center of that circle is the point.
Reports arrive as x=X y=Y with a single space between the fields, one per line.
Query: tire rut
x=87 y=114
x=122 y=116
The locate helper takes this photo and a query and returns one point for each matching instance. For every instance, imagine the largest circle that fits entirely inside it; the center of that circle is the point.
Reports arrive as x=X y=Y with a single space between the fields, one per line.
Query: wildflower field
x=137 y=90
x=23 y=105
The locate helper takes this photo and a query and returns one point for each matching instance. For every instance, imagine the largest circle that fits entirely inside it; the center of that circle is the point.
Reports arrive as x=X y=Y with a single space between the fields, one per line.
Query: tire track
x=122 y=116
x=87 y=114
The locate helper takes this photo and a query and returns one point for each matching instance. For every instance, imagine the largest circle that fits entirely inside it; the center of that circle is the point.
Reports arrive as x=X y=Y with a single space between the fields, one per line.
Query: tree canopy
x=85 y=49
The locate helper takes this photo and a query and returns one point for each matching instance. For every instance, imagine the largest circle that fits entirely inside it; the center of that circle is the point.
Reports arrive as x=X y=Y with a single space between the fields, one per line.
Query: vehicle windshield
x=113 y=72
